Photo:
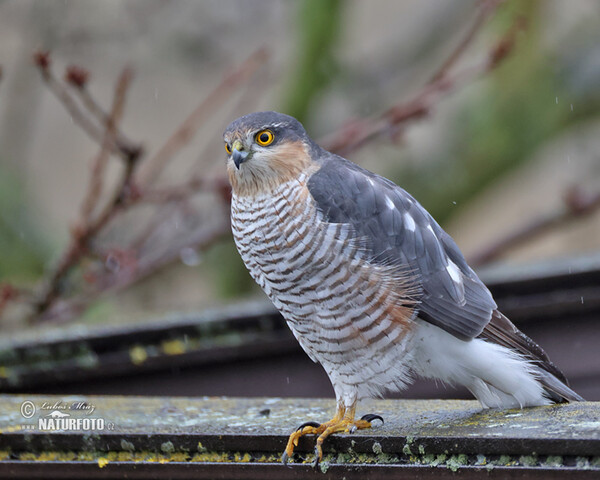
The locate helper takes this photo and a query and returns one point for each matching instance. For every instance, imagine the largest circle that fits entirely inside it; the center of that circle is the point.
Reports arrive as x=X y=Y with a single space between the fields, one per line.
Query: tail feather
x=500 y=330
x=556 y=389
x=500 y=371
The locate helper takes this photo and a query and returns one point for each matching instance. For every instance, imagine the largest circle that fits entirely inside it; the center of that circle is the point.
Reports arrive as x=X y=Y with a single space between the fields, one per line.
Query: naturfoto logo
x=63 y=416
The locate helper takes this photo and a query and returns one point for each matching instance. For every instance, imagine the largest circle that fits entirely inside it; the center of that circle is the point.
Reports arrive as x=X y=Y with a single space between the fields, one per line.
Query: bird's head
x=265 y=149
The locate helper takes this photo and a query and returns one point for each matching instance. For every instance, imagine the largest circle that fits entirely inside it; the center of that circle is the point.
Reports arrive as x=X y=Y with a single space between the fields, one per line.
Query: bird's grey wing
x=396 y=228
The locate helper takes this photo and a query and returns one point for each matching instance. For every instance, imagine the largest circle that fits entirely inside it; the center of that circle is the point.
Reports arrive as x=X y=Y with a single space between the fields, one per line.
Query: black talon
x=369 y=417
x=316 y=462
x=309 y=424
x=285 y=458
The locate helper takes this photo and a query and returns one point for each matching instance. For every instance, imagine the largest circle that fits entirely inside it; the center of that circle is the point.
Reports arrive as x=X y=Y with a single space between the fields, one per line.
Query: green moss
x=554 y=461
x=127 y=446
x=324 y=466
x=167 y=447
x=174 y=347
x=89 y=360
x=505 y=461
x=457 y=461
x=528 y=460
x=343 y=458
x=138 y=354
x=242 y=458
x=377 y=448
x=409 y=441
x=169 y=453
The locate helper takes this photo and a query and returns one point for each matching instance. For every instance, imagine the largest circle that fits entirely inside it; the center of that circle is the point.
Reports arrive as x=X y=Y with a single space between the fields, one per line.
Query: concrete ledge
x=162 y=437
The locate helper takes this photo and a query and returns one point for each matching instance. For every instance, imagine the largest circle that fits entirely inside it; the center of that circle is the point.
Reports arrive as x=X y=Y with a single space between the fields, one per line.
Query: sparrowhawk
x=371 y=286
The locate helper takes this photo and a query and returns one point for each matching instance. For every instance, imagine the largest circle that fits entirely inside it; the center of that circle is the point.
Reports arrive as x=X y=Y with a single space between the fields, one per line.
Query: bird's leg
x=311 y=428
x=345 y=424
x=343 y=421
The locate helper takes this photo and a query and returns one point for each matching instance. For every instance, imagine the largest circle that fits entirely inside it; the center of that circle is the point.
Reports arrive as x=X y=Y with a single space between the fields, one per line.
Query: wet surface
x=277 y=417
x=452 y=435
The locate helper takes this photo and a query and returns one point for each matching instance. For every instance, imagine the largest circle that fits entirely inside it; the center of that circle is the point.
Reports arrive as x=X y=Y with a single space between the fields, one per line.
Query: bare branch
x=42 y=60
x=178 y=192
x=577 y=205
x=78 y=78
x=186 y=131
x=358 y=132
x=99 y=164
x=486 y=10
x=200 y=240
x=113 y=282
x=139 y=258
x=82 y=233
x=8 y=293
x=51 y=302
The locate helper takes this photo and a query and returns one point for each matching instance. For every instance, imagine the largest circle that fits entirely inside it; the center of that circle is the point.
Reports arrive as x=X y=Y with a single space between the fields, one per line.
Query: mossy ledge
x=234 y=433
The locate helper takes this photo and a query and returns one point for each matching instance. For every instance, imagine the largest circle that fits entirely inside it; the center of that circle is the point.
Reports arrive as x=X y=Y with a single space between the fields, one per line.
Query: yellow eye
x=228 y=148
x=264 y=138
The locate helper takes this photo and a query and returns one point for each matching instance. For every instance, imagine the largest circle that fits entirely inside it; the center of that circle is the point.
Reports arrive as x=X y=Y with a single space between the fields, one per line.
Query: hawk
x=371 y=286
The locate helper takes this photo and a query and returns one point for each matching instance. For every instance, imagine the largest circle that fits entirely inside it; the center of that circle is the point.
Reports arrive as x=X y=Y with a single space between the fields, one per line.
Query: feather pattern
x=398 y=229
x=353 y=317
x=371 y=286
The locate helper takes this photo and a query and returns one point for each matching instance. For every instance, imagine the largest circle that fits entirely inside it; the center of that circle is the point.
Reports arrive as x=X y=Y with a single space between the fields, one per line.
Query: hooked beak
x=239 y=155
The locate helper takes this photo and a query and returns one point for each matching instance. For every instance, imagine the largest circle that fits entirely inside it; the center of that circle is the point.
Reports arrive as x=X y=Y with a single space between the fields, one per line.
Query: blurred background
x=508 y=139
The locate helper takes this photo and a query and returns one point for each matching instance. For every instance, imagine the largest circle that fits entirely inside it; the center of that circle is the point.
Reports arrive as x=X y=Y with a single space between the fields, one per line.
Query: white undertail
x=497 y=376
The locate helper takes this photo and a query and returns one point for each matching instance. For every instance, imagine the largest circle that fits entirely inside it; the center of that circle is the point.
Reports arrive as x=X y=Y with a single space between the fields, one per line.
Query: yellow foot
x=343 y=421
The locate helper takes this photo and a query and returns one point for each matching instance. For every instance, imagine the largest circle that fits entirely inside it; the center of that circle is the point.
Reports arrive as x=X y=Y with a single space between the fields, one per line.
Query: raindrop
x=288 y=380
x=454 y=202
x=155 y=93
x=582 y=300
x=112 y=263
x=571 y=107
x=557 y=100
x=189 y=257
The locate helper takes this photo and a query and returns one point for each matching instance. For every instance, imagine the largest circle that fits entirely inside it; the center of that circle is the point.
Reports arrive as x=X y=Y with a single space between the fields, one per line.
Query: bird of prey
x=371 y=286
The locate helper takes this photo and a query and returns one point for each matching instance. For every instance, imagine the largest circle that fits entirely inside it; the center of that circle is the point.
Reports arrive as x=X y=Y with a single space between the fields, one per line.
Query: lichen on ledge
x=206 y=435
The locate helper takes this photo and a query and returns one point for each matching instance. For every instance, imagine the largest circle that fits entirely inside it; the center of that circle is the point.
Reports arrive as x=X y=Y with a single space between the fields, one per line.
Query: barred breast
x=348 y=313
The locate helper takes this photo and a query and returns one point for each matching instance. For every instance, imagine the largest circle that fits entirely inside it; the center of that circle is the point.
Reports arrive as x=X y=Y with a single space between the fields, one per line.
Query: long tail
x=503 y=332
